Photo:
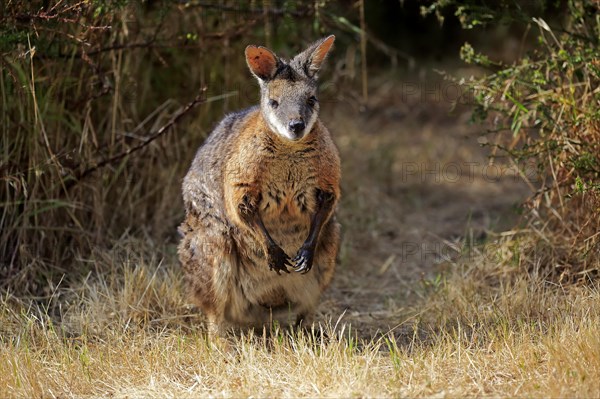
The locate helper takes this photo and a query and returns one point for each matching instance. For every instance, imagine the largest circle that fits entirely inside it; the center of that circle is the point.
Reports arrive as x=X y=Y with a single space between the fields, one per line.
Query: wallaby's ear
x=261 y=61
x=312 y=58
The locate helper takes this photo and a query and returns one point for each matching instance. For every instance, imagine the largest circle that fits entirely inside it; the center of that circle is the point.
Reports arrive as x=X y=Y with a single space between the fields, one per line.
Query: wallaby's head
x=289 y=88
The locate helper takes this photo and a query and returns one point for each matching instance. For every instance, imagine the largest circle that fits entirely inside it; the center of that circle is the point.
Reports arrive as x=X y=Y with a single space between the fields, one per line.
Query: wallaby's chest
x=288 y=188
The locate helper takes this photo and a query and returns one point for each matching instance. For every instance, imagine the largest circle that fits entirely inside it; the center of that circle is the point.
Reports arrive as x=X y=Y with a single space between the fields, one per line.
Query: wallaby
x=264 y=185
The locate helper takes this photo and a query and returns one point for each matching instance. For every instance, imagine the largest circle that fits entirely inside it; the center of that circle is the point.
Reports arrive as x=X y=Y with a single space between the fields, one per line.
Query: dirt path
x=416 y=184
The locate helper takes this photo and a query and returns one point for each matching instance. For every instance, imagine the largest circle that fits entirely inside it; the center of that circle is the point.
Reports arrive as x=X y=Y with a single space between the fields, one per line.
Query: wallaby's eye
x=273 y=103
x=312 y=100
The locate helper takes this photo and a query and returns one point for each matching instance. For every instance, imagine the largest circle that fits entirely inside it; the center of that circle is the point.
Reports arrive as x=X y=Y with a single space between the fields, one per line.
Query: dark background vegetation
x=91 y=155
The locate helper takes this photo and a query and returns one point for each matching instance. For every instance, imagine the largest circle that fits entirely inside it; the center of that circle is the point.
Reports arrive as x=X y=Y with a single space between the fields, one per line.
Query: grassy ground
x=418 y=306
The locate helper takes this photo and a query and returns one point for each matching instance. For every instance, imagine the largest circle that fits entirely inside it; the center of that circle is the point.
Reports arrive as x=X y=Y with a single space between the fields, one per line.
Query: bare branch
x=161 y=131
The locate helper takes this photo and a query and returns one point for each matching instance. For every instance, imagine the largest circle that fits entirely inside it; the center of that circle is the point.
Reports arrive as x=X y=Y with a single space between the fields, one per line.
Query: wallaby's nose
x=296 y=125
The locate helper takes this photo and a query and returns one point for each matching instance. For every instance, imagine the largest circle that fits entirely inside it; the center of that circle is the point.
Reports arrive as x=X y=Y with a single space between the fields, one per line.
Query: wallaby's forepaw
x=278 y=259
x=304 y=260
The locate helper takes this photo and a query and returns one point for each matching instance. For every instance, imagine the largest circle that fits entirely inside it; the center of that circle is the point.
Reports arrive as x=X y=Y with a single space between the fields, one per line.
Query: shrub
x=545 y=108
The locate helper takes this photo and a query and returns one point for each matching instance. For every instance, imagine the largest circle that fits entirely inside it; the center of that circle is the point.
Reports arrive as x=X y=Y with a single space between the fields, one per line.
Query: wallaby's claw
x=278 y=260
x=303 y=260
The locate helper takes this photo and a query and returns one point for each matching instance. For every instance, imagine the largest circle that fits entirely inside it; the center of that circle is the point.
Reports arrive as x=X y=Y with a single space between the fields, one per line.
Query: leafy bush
x=545 y=108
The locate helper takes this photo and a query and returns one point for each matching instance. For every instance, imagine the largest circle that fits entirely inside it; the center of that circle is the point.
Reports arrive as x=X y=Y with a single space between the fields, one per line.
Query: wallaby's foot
x=278 y=259
x=304 y=260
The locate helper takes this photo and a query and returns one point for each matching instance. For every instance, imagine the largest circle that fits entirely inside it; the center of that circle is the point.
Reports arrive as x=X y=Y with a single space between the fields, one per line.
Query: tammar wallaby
x=264 y=185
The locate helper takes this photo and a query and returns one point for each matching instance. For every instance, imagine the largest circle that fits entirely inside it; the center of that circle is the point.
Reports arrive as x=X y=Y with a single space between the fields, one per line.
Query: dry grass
x=480 y=332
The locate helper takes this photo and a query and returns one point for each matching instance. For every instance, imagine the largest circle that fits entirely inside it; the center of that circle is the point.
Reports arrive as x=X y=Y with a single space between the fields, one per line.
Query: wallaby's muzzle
x=296 y=126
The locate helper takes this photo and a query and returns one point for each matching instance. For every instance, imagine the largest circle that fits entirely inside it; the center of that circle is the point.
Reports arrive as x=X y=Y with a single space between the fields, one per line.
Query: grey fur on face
x=289 y=100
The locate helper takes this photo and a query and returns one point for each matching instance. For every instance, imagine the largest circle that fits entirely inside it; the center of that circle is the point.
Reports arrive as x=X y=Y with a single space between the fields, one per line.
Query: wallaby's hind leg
x=327 y=253
x=208 y=260
x=325 y=261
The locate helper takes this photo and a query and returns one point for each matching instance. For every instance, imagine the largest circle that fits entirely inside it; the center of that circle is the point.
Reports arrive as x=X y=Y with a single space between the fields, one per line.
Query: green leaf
x=517 y=103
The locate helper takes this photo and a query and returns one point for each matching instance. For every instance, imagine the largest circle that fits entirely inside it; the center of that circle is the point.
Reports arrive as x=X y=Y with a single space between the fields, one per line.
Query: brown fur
x=245 y=168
